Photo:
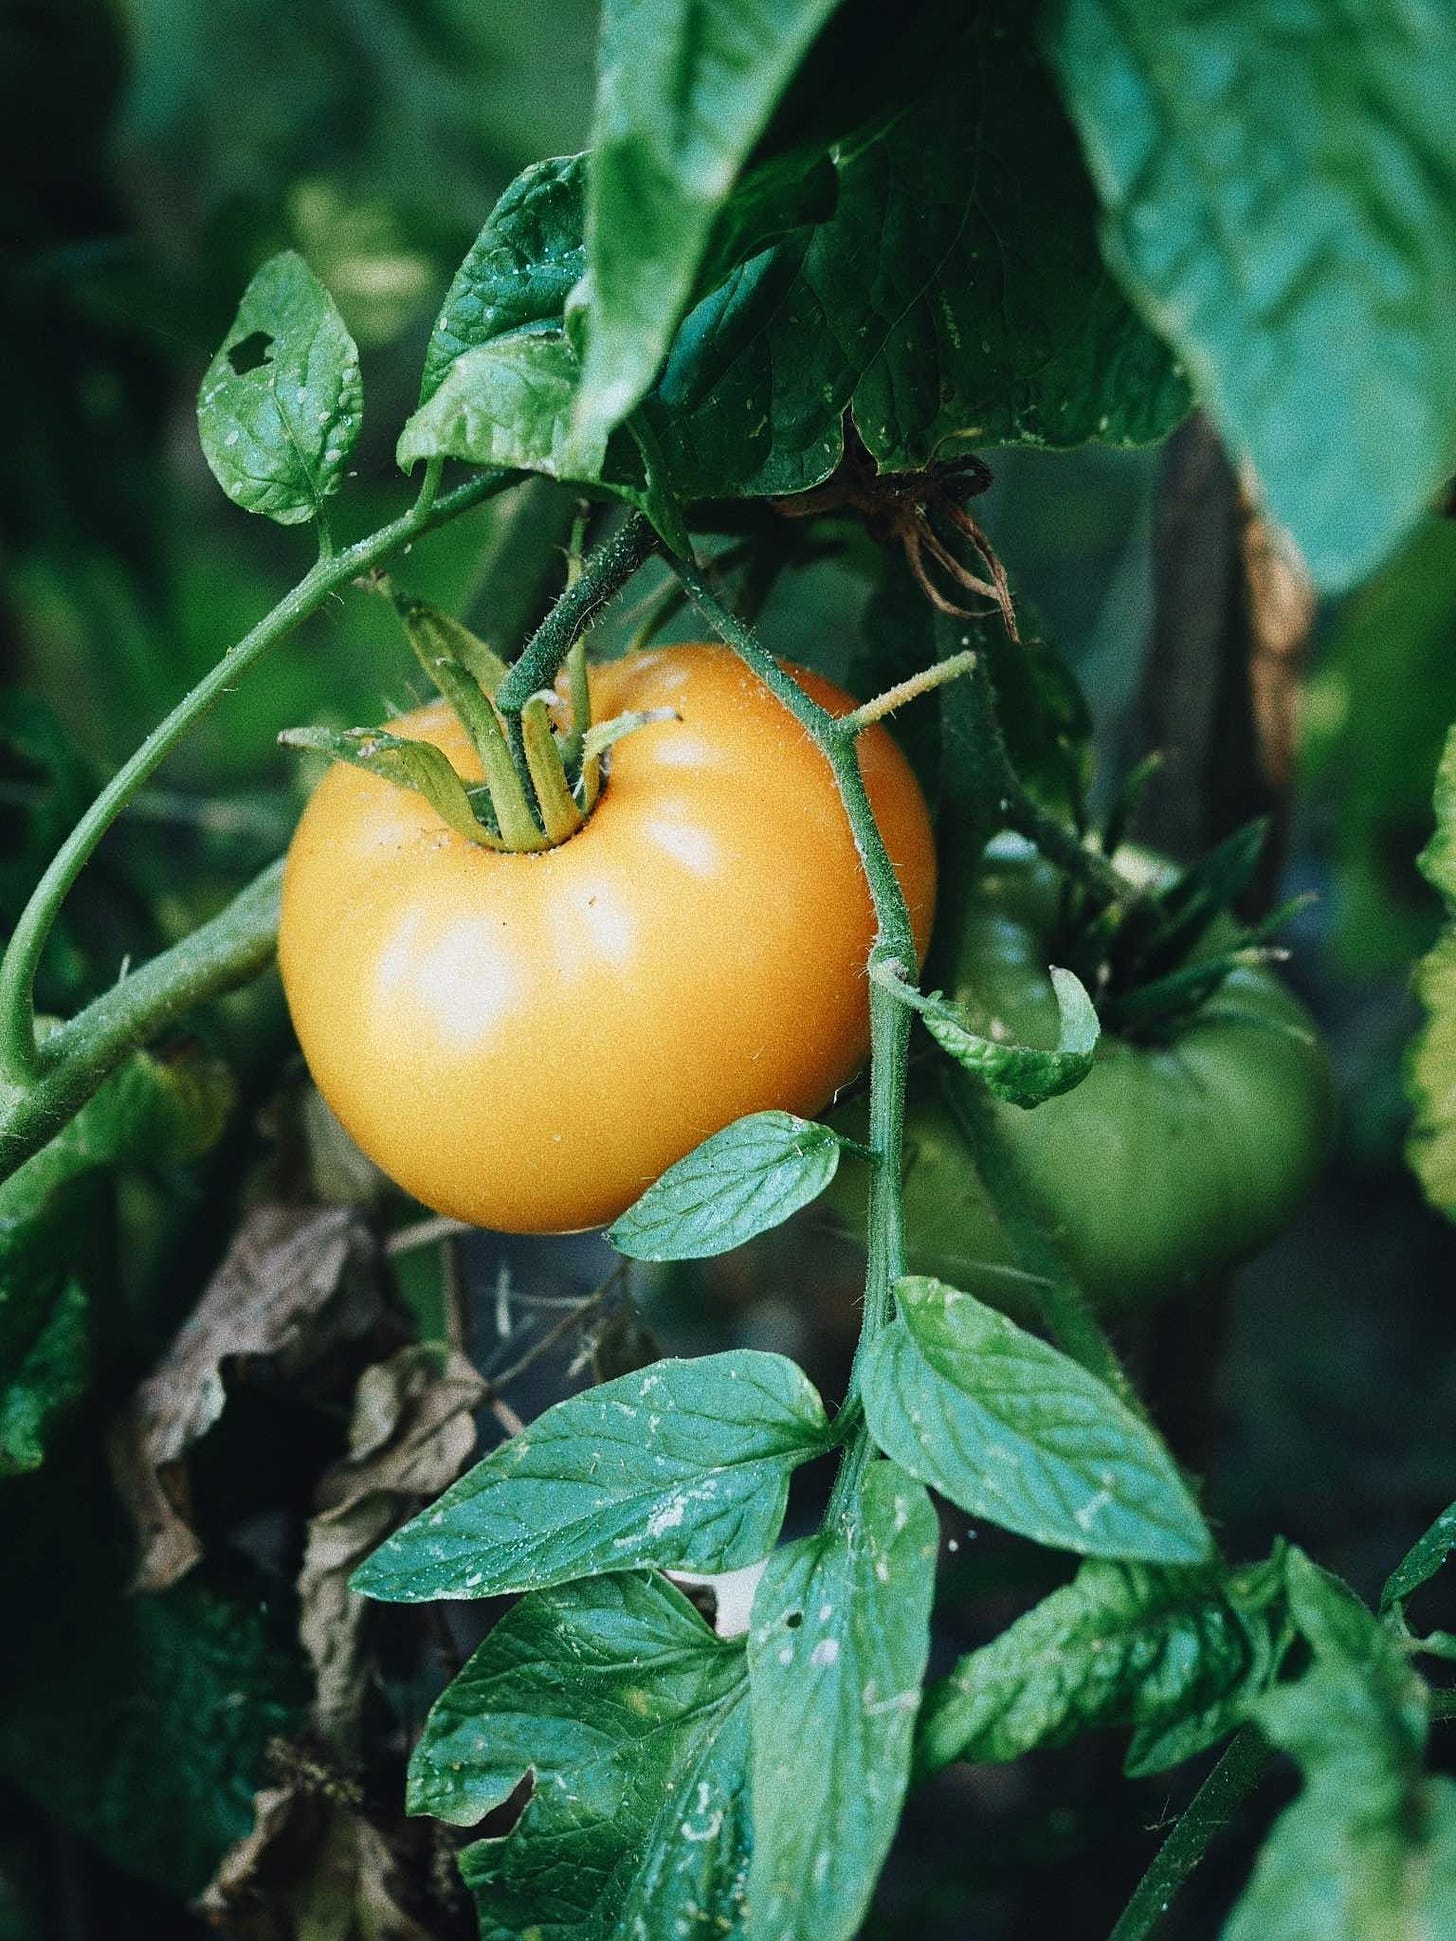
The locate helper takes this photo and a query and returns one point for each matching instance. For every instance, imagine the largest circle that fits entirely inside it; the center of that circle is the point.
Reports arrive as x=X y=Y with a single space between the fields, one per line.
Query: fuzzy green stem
x=604 y=573
x=905 y=691
x=889 y=1020
x=73 y=1060
x=18 y=1055
x=1213 y=1806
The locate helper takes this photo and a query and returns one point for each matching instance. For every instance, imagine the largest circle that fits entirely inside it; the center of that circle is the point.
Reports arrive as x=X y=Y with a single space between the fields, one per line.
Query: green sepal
x=416 y=765
x=435 y=636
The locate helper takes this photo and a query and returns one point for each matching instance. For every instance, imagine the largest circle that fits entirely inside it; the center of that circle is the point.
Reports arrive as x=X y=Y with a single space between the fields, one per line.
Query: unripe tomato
x=1167 y=1164
x=527 y=1041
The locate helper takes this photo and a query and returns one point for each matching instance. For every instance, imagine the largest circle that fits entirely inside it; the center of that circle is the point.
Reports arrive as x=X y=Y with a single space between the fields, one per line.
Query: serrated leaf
x=506 y=404
x=1333 y=1871
x=743 y=1180
x=685 y=1464
x=1021 y=1074
x=1432 y=1070
x=1315 y=315
x=282 y=402
x=836 y=1658
x=416 y=765
x=956 y=293
x=1119 y=1645
x=1015 y=1432
x=685 y=88
x=1369 y=1848
x=630 y=1715
x=1421 y=1562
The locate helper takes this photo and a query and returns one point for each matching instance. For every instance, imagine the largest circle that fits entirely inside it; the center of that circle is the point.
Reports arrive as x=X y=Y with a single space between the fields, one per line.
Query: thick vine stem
x=603 y=573
x=889 y=1019
x=19 y=1060
x=228 y=950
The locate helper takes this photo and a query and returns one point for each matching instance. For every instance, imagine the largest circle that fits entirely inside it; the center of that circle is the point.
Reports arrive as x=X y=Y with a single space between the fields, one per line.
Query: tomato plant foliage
x=812 y=262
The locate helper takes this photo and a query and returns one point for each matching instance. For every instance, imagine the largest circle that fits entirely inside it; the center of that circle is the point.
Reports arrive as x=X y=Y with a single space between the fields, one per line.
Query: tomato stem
x=604 y=572
x=1245 y=1761
x=889 y=1019
x=227 y=951
x=855 y=723
x=20 y=1060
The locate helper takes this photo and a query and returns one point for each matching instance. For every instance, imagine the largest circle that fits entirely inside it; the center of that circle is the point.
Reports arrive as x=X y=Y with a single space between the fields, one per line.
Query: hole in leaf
x=250 y=353
x=794 y=1620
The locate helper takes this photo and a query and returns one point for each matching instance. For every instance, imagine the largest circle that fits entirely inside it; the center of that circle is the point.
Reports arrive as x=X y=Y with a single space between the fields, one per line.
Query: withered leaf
x=412 y=1432
x=295 y=1283
x=312 y=1869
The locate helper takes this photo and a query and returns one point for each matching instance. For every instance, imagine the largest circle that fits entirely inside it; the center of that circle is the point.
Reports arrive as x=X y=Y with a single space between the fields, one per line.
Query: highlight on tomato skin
x=525 y=1042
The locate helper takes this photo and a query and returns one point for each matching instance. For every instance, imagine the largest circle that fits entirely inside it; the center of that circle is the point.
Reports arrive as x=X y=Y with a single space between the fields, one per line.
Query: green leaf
x=282 y=403
x=1421 y=1562
x=142 y=1722
x=836 y=1658
x=684 y=1464
x=956 y=293
x=506 y=404
x=685 y=88
x=1281 y=202
x=1013 y=1431
x=1369 y=1848
x=53 y=1373
x=1119 y=1645
x=519 y=271
x=1331 y=1870
x=149 y=1112
x=1432 y=1069
x=629 y=1715
x=408 y=764
x=743 y=1180
x=1021 y=1074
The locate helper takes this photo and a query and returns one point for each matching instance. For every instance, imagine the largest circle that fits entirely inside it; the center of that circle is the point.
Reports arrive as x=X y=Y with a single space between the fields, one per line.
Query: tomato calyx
x=1154 y=959
x=542 y=770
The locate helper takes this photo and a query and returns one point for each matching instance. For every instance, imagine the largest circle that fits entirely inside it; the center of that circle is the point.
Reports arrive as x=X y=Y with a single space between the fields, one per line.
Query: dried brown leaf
x=312 y=1869
x=413 y=1431
x=295 y=1283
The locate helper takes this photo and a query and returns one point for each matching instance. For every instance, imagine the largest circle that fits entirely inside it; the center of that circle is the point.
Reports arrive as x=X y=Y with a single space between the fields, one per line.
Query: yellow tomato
x=527 y=1041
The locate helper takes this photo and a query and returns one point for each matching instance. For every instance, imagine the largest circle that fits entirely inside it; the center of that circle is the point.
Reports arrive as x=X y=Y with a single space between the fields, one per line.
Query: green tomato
x=1168 y=1164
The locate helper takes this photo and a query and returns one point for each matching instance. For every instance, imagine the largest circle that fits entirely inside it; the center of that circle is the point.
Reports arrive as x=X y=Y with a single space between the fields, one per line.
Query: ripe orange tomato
x=527 y=1041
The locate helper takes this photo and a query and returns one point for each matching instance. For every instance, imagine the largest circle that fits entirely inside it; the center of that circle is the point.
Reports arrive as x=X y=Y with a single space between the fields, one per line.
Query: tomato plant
x=1187 y=1147
x=693 y=953
x=413 y=1175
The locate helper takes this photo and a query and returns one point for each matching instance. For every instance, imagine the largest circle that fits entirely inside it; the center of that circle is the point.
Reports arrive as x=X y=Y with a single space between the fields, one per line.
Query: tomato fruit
x=1171 y=1161
x=526 y=1041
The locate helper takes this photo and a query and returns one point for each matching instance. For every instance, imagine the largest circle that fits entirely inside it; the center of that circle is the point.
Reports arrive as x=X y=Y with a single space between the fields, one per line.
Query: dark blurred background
x=154 y=151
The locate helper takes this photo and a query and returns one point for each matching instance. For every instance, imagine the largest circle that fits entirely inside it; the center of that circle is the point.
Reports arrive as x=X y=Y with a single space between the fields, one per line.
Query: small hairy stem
x=1065 y=1308
x=72 y=1062
x=928 y=678
x=1212 y=1807
x=889 y=1019
x=603 y=573
x=19 y=1062
x=1095 y=875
